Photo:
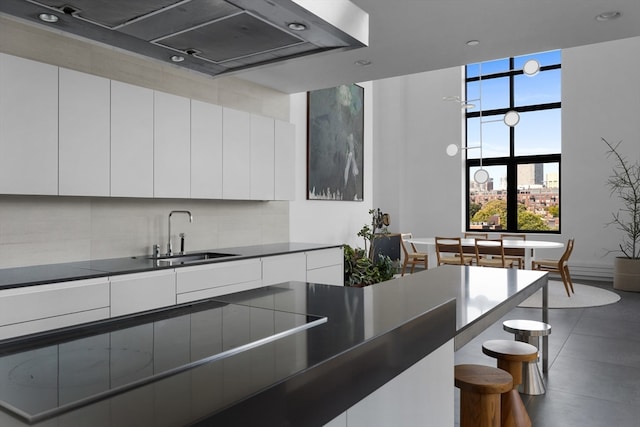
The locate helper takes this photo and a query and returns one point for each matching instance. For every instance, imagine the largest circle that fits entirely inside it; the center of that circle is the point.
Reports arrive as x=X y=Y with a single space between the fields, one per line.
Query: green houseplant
x=625 y=183
x=360 y=267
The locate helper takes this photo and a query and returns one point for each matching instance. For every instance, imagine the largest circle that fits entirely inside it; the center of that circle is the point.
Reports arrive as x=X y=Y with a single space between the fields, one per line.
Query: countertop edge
x=94 y=269
x=362 y=369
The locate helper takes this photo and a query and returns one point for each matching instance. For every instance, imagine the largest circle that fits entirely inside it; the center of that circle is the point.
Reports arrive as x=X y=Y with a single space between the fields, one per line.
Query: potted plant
x=360 y=267
x=625 y=183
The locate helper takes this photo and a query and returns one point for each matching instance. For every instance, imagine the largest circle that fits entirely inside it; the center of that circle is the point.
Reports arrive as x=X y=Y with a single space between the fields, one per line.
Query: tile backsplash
x=46 y=229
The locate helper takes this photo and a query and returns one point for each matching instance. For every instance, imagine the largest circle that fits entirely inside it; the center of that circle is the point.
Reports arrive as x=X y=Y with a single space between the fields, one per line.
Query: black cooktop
x=50 y=373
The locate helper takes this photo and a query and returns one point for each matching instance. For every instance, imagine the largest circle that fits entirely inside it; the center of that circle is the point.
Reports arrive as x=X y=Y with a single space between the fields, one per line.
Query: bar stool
x=480 y=390
x=529 y=331
x=511 y=355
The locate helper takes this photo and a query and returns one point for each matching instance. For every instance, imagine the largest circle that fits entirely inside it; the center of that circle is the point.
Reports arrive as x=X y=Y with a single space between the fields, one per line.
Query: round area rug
x=584 y=296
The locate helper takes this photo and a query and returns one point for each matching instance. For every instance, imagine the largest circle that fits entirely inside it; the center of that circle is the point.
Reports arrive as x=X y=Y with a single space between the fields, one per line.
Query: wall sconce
x=511 y=118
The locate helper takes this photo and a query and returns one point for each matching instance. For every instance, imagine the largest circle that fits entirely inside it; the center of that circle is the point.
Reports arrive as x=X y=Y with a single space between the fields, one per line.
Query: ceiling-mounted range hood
x=210 y=36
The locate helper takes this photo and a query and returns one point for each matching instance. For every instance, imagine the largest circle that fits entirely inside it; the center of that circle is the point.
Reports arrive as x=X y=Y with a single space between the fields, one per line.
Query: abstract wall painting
x=335 y=143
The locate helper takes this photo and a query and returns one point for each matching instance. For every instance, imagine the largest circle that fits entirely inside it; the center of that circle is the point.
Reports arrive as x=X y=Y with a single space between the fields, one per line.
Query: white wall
x=600 y=97
x=322 y=221
x=419 y=184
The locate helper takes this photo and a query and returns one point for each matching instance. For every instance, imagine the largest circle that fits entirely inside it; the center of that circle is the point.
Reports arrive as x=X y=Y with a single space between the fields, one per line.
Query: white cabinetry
x=326 y=266
x=131 y=293
x=39 y=308
x=172 y=140
x=262 y=158
x=28 y=127
x=131 y=140
x=236 y=154
x=206 y=281
x=206 y=150
x=284 y=161
x=282 y=268
x=84 y=154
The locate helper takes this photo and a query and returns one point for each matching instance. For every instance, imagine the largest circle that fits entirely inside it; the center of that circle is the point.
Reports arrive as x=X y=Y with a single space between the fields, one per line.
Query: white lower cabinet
x=39 y=308
x=206 y=281
x=282 y=268
x=422 y=395
x=326 y=266
x=132 y=293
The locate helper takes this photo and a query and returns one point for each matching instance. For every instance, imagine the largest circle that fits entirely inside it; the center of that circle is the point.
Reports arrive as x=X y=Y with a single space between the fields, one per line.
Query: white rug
x=584 y=296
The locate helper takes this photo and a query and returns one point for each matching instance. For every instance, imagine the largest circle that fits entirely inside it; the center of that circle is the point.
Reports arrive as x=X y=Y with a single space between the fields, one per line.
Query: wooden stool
x=511 y=355
x=480 y=390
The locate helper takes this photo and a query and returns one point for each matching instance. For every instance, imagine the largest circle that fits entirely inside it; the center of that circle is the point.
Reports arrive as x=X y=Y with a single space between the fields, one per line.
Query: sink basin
x=190 y=257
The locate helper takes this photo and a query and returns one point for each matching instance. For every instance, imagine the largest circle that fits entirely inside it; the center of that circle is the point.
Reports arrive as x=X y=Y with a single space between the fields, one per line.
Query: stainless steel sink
x=190 y=257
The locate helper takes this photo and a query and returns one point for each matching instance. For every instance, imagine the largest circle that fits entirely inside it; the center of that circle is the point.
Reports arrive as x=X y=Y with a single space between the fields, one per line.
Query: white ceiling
x=411 y=36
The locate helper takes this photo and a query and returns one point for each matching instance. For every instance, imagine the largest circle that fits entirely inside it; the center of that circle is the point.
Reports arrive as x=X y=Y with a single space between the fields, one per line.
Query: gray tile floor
x=594 y=364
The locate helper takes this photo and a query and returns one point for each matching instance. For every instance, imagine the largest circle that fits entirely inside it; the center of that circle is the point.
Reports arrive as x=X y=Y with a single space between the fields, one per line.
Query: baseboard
x=591 y=271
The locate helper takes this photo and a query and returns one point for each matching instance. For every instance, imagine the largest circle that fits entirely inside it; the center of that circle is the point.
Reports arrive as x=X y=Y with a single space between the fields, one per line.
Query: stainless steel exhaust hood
x=214 y=37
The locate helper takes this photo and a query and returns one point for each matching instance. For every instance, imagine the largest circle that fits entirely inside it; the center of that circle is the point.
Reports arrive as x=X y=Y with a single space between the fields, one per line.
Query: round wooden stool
x=529 y=331
x=480 y=390
x=511 y=355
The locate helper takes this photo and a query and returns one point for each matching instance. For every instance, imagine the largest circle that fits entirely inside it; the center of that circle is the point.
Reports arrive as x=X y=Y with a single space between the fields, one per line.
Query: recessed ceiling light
x=473 y=42
x=608 y=16
x=48 y=17
x=363 y=62
x=177 y=58
x=297 y=26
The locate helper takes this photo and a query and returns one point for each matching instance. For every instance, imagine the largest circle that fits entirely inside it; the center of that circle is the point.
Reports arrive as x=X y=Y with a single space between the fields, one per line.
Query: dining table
x=529 y=246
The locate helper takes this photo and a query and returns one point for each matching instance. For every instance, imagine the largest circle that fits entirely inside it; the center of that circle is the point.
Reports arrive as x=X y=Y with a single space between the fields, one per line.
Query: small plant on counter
x=360 y=267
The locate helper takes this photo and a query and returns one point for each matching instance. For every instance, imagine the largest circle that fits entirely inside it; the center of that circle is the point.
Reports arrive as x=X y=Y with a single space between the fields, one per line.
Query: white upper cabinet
x=206 y=150
x=84 y=154
x=236 y=154
x=285 y=160
x=28 y=127
x=131 y=140
x=172 y=140
x=262 y=152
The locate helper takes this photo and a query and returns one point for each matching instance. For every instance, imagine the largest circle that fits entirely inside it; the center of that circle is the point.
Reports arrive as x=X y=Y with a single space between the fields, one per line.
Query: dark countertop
x=306 y=378
x=52 y=273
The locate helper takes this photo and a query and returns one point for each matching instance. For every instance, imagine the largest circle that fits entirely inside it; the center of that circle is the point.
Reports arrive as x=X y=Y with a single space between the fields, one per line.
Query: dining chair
x=490 y=253
x=452 y=246
x=413 y=256
x=558 y=266
x=476 y=235
x=515 y=254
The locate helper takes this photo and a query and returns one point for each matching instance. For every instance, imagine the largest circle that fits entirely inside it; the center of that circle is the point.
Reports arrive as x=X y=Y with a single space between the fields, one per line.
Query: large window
x=523 y=161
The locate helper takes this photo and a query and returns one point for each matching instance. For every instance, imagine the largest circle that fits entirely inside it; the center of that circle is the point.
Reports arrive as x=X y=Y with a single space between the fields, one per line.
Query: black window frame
x=511 y=162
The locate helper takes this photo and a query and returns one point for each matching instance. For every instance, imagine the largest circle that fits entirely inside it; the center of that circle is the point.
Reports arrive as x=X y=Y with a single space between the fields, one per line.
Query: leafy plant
x=360 y=267
x=625 y=183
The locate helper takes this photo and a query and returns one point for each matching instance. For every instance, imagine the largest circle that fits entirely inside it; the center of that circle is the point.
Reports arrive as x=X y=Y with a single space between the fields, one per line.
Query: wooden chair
x=514 y=254
x=453 y=247
x=470 y=250
x=476 y=235
x=558 y=266
x=413 y=257
x=490 y=253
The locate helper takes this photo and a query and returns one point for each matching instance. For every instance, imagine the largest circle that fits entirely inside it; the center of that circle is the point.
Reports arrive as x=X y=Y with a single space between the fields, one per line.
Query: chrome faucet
x=169 y=246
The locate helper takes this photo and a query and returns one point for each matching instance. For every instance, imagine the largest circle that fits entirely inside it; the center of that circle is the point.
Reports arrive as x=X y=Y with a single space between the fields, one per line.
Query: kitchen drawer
x=197 y=278
x=40 y=325
x=324 y=258
x=132 y=293
x=29 y=303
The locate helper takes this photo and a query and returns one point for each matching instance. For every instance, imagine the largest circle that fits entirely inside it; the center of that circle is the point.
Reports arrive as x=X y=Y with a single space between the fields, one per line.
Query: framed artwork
x=335 y=124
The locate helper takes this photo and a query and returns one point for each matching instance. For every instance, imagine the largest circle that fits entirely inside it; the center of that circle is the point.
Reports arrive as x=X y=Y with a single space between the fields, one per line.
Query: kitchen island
x=351 y=352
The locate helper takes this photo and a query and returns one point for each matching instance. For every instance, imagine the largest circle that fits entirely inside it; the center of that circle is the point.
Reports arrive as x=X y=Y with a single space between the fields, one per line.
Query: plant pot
x=626 y=274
